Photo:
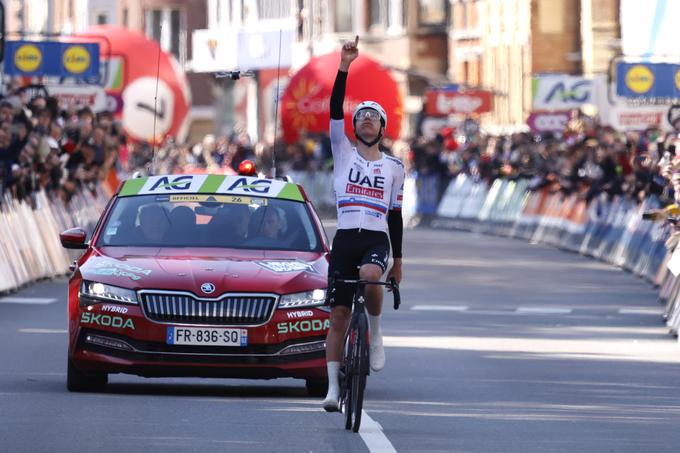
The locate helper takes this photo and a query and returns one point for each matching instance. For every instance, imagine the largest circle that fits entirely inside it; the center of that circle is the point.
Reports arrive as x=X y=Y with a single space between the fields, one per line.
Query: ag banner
x=561 y=92
x=648 y=80
x=50 y=58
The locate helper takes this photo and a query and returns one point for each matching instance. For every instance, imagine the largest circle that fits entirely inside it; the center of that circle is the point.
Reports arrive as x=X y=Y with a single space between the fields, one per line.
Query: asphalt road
x=500 y=346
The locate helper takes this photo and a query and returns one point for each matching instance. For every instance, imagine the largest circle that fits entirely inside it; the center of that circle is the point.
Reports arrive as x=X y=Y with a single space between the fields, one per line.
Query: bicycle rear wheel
x=360 y=364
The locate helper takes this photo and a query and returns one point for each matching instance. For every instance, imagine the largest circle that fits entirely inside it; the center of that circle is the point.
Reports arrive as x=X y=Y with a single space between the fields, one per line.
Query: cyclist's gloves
x=395 y=224
x=338 y=96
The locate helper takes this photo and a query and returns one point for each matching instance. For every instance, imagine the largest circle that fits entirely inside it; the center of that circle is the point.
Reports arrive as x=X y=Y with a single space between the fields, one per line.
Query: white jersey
x=364 y=190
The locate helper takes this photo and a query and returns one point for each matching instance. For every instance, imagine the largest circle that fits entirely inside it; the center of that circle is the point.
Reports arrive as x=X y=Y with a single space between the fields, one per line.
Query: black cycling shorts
x=351 y=250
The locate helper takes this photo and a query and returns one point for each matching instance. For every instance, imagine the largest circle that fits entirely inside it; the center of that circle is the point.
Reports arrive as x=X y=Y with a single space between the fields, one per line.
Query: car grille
x=229 y=310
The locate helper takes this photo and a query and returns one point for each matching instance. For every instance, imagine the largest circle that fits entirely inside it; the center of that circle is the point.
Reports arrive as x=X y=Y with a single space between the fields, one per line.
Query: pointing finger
x=356 y=40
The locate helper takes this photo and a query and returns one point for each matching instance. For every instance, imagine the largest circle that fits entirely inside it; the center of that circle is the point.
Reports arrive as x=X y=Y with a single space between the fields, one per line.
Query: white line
x=374 y=438
x=28 y=300
x=544 y=310
x=36 y=330
x=640 y=311
x=439 y=307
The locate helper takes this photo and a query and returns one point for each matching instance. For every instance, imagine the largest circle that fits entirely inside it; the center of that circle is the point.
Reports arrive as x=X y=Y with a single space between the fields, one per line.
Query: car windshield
x=200 y=220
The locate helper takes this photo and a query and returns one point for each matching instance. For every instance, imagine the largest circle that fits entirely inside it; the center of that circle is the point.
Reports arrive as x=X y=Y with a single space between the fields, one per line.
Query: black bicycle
x=355 y=366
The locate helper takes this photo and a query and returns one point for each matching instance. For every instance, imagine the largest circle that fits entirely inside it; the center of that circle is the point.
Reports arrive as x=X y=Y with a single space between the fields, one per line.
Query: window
x=343 y=16
x=255 y=10
x=161 y=221
x=396 y=14
x=155 y=25
x=274 y=9
x=102 y=19
x=551 y=16
x=125 y=17
x=375 y=13
x=175 y=29
x=432 y=12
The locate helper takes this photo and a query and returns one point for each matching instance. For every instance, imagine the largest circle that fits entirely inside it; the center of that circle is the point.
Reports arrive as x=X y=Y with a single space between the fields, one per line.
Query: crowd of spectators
x=587 y=159
x=63 y=149
x=59 y=149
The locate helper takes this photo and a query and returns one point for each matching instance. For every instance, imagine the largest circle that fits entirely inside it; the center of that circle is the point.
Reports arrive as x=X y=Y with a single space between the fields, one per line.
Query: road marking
x=439 y=307
x=35 y=330
x=544 y=310
x=28 y=300
x=640 y=311
x=373 y=436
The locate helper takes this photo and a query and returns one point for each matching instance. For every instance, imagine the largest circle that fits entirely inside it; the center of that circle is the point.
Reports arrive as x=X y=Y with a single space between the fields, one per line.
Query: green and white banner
x=214 y=184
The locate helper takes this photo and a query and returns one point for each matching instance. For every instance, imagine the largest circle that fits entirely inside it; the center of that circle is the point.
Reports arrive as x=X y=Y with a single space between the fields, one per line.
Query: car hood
x=228 y=270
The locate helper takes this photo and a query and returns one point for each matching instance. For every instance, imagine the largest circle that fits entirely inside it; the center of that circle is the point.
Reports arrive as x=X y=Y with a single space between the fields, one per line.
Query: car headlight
x=312 y=298
x=95 y=292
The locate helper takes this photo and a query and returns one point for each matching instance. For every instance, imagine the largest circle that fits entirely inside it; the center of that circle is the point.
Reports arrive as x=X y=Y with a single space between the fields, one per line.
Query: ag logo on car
x=208 y=288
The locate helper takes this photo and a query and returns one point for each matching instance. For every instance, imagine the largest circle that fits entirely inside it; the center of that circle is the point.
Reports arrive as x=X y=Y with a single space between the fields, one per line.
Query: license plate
x=201 y=336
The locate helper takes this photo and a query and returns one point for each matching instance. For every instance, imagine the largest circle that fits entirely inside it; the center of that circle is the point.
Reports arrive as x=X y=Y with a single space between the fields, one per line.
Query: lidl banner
x=50 y=58
x=648 y=80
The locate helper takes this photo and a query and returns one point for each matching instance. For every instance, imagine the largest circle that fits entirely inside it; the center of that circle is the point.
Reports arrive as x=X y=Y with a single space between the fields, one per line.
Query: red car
x=200 y=275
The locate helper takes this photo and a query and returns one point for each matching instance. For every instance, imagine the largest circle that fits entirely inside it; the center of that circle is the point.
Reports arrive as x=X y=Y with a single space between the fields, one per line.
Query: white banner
x=562 y=92
x=80 y=95
x=213 y=51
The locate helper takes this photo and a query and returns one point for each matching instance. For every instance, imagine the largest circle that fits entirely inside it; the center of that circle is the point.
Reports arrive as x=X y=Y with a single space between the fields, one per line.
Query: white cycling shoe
x=377 y=353
x=332 y=403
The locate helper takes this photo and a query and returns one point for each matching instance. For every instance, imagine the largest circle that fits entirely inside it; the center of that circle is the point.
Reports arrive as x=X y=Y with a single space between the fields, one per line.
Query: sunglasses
x=368 y=113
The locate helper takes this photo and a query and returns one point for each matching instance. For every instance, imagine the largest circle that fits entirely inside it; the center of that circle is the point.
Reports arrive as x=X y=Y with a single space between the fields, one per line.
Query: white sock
x=374 y=325
x=333 y=383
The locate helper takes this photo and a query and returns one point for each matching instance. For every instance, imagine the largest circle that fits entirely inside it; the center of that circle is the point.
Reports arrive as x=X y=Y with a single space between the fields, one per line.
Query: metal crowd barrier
x=611 y=231
x=29 y=237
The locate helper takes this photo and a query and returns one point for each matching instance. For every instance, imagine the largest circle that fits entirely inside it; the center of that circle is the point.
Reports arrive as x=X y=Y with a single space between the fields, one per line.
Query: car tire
x=78 y=381
x=317 y=387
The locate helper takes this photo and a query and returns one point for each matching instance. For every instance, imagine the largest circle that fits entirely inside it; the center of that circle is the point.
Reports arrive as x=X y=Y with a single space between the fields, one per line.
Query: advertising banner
x=91 y=96
x=648 y=80
x=548 y=121
x=561 y=92
x=50 y=58
x=445 y=102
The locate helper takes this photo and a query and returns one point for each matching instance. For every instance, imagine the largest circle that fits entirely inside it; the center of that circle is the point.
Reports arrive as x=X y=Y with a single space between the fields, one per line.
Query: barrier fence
x=611 y=231
x=29 y=237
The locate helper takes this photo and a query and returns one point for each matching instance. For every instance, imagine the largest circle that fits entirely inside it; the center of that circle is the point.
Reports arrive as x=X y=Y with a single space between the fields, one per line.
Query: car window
x=200 y=220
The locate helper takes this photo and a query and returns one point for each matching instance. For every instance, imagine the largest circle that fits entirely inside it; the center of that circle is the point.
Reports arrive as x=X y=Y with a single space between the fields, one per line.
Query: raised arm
x=348 y=54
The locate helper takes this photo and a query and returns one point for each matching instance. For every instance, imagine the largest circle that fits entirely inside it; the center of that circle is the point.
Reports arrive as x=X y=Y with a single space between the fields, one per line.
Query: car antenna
x=276 y=99
x=155 y=104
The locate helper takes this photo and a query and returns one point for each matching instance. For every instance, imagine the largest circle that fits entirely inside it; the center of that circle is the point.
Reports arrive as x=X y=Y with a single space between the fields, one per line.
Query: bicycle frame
x=356 y=356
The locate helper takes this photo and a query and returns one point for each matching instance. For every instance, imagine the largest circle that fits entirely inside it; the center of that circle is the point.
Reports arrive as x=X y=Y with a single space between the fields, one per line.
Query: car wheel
x=78 y=381
x=317 y=387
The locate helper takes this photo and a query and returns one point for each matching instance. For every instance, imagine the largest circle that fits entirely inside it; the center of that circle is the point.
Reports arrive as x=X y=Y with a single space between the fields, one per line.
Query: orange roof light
x=247 y=168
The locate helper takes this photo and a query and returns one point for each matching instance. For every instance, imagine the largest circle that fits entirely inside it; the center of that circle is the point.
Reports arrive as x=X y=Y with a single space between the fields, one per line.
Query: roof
x=214 y=184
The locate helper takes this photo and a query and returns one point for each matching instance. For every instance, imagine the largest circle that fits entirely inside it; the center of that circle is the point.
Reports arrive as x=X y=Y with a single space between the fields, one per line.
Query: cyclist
x=368 y=188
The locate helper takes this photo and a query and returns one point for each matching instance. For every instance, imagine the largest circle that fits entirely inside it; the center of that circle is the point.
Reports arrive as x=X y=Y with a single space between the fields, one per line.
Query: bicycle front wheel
x=360 y=362
x=348 y=375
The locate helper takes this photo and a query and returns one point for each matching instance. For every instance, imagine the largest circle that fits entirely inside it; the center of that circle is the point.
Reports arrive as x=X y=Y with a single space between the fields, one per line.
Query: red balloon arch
x=305 y=103
x=134 y=60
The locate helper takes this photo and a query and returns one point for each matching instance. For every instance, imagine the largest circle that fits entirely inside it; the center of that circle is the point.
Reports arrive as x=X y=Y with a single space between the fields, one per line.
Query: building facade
x=501 y=45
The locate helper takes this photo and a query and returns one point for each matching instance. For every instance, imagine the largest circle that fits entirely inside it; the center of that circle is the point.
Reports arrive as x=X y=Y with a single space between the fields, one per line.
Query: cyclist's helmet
x=370 y=105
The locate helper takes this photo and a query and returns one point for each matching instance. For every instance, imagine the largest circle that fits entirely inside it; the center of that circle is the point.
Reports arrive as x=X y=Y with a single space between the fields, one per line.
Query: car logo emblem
x=208 y=288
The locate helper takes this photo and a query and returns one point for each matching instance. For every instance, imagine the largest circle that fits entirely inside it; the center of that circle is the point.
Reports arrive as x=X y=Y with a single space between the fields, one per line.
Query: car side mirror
x=73 y=238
